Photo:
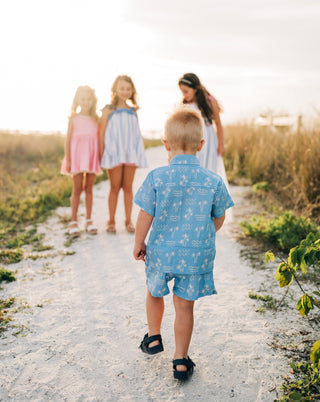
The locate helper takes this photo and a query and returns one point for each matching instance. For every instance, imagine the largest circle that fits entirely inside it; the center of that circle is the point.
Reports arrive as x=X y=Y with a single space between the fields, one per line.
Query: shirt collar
x=185 y=159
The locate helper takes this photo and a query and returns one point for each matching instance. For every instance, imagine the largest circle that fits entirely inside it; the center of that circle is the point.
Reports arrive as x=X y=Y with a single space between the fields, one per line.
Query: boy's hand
x=139 y=251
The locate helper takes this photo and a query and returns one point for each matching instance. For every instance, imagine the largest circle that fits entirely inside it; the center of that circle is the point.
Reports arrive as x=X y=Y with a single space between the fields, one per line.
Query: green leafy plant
x=5 y=315
x=269 y=302
x=11 y=256
x=6 y=275
x=284 y=231
x=307 y=386
x=300 y=259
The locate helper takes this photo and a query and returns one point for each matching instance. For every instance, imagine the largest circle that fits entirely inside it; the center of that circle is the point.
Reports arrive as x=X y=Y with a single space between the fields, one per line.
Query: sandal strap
x=152 y=338
x=183 y=362
x=73 y=223
x=91 y=227
x=74 y=230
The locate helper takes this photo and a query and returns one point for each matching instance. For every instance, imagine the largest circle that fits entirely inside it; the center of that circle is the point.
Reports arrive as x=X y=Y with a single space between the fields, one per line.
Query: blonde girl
x=82 y=155
x=121 y=147
x=198 y=97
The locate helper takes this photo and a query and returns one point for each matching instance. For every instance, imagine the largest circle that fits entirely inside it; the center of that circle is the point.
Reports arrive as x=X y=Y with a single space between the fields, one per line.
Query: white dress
x=208 y=156
x=123 y=140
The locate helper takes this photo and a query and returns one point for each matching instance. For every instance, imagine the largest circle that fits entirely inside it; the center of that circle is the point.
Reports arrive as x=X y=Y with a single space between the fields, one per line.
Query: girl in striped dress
x=198 y=97
x=121 y=147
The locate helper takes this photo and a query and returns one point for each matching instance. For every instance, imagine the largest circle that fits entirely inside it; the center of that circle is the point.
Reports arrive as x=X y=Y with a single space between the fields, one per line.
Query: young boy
x=186 y=205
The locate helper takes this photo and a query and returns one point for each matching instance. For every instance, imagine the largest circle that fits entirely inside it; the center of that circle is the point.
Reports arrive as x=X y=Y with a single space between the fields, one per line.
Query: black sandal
x=144 y=345
x=183 y=375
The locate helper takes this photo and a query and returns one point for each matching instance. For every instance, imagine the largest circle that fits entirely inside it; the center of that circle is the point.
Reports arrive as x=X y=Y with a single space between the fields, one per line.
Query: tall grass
x=30 y=181
x=289 y=162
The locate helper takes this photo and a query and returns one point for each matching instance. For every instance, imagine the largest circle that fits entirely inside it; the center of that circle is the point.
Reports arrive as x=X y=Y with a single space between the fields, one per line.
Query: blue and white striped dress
x=208 y=155
x=123 y=140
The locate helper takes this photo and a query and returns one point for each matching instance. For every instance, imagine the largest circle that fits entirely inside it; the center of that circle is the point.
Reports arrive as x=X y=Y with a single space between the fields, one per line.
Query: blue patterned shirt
x=183 y=199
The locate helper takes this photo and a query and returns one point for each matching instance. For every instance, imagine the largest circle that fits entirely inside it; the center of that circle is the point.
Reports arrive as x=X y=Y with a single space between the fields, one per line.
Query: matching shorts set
x=183 y=198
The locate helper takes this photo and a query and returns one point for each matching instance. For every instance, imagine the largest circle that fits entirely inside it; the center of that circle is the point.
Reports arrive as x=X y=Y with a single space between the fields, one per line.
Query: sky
x=254 y=56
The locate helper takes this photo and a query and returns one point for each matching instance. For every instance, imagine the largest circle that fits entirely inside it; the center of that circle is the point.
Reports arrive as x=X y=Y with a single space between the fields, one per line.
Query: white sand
x=82 y=344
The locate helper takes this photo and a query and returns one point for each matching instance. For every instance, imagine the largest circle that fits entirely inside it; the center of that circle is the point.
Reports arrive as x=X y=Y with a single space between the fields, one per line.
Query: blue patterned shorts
x=188 y=287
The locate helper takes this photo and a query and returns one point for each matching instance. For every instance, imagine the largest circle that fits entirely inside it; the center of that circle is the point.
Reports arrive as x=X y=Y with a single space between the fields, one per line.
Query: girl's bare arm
x=103 y=126
x=67 y=148
x=217 y=121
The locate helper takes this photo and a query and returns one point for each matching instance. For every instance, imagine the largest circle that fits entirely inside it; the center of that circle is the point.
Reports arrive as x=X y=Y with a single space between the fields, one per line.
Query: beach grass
x=31 y=184
x=283 y=165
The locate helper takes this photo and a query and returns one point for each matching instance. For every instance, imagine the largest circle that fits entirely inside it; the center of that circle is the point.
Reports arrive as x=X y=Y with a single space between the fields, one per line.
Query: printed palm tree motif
x=205 y=264
x=190 y=289
x=196 y=256
x=190 y=190
x=188 y=213
x=164 y=215
x=174 y=230
x=184 y=240
x=158 y=264
x=159 y=239
x=182 y=265
x=183 y=181
x=169 y=256
x=205 y=289
x=195 y=173
x=170 y=173
x=176 y=205
x=207 y=182
x=202 y=204
x=158 y=182
x=166 y=191
x=198 y=230
x=208 y=239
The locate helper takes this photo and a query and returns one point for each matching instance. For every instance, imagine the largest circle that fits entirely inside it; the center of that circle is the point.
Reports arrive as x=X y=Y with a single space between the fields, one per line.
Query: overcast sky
x=253 y=55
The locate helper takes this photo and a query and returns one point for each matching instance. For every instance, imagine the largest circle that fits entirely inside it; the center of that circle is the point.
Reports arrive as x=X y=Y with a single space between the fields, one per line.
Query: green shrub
x=284 y=231
x=6 y=275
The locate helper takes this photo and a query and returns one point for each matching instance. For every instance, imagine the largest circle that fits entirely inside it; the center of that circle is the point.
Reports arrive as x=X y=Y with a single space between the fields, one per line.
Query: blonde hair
x=114 y=96
x=184 y=130
x=75 y=104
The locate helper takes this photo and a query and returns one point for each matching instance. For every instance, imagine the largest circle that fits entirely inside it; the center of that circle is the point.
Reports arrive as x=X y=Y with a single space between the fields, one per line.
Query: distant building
x=279 y=122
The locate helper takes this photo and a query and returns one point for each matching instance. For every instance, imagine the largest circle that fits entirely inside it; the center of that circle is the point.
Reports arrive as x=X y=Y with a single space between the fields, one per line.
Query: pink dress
x=84 y=147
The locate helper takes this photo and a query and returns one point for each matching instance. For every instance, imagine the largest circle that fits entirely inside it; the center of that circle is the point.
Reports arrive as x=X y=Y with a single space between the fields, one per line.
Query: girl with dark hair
x=197 y=96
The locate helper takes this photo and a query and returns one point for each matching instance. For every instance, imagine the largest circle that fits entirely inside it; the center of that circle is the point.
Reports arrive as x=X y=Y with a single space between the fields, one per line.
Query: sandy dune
x=87 y=317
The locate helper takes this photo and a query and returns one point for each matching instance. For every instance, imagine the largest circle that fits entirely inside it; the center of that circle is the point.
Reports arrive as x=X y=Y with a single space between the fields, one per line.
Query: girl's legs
x=88 y=188
x=183 y=327
x=155 y=309
x=127 y=181
x=75 y=197
x=115 y=177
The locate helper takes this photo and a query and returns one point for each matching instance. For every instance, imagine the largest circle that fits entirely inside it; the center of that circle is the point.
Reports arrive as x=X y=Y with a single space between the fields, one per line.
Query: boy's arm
x=218 y=222
x=143 y=224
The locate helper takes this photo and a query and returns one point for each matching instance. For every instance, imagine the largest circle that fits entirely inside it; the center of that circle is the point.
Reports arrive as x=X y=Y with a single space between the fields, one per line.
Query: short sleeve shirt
x=183 y=199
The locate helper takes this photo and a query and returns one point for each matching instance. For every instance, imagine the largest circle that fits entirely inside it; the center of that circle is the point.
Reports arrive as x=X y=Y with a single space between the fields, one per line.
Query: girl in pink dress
x=82 y=155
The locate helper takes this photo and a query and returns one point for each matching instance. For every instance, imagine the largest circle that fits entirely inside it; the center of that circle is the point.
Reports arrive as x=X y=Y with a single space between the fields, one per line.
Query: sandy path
x=87 y=318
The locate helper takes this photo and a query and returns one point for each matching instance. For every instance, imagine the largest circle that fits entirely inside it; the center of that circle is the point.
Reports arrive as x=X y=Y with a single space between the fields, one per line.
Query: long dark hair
x=202 y=95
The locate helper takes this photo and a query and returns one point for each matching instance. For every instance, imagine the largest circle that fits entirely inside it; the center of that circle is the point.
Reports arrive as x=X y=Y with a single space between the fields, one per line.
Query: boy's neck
x=176 y=152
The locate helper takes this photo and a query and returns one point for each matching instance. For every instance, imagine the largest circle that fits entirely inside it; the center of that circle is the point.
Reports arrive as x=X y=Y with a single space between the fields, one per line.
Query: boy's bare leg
x=183 y=327
x=155 y=309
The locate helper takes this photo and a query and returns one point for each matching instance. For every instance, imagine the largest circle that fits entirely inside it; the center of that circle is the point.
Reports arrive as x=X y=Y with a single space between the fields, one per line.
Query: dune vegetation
x=283 y=166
